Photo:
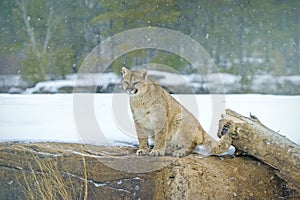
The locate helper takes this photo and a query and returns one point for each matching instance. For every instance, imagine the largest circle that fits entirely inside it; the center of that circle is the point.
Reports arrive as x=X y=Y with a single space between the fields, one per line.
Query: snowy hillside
x=174 y=83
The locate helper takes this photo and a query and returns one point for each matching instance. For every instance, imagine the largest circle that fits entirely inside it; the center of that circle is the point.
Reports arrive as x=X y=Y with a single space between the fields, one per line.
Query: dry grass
x=85 y=179
x=46 y=182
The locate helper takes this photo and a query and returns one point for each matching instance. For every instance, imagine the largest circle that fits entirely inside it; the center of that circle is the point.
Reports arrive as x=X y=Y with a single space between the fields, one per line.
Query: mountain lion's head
x=134 y=82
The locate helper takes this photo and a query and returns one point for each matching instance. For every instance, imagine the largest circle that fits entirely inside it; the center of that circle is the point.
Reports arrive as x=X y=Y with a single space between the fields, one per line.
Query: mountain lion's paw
x=142 y=152
x=179 y=153
x=157 y=153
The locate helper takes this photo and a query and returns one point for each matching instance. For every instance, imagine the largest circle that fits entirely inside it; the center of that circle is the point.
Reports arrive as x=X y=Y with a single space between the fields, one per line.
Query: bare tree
x=39 y=50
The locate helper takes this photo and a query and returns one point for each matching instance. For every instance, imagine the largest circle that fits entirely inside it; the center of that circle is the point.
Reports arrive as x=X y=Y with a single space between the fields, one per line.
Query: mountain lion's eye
x=136 y=83
x=126 y=82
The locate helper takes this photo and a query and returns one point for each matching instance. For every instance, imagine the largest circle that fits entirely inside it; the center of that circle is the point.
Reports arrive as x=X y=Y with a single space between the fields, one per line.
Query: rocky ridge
x=77 y=171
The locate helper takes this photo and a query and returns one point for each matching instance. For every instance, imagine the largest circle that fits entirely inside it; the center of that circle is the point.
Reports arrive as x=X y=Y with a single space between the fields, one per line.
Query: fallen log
x=250 y=136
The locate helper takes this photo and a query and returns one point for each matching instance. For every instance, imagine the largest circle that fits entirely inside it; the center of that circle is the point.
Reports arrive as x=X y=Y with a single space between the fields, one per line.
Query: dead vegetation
x=44 y=180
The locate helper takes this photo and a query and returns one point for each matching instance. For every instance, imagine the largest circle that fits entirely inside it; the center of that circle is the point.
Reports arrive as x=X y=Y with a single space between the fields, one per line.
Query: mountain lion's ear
x=124 y=71
x=144 y=73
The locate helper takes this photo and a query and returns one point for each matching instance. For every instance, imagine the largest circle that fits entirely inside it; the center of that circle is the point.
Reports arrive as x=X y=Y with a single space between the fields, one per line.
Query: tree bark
x=249 y=135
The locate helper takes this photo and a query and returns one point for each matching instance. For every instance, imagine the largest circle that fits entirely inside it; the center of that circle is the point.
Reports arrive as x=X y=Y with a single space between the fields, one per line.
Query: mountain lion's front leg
x=143 y=147
x=159 y=143
x=143 y=142
x=160 y=127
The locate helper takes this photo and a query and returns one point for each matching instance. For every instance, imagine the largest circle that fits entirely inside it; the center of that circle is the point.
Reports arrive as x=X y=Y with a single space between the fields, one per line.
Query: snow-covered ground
x=105 y=118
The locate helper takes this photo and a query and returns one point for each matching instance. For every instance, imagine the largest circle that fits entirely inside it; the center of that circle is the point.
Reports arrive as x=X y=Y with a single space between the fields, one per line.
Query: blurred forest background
x=41 y=39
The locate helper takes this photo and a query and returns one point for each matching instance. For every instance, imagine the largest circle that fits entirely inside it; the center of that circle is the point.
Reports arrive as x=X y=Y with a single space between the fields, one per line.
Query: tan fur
x=158 y=115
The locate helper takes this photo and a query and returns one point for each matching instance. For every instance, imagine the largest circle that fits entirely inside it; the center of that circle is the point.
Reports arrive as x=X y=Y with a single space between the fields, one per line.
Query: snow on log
x=249 y=135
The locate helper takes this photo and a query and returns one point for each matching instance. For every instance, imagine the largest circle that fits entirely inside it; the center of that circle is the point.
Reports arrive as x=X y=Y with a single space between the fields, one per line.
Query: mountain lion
x=159 y=116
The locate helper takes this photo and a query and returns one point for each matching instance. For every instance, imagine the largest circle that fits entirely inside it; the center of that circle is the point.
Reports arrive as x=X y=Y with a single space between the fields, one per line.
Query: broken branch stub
x=252 y=137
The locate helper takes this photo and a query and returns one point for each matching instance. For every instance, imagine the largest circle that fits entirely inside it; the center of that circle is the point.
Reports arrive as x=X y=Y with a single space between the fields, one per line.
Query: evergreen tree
x=243 y=37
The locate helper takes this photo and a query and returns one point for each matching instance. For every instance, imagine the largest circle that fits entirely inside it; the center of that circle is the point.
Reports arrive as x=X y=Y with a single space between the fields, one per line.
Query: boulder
x=77 y=171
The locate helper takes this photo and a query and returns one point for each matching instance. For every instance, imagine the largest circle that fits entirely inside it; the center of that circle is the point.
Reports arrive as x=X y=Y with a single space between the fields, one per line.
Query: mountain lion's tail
x=214 y=147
